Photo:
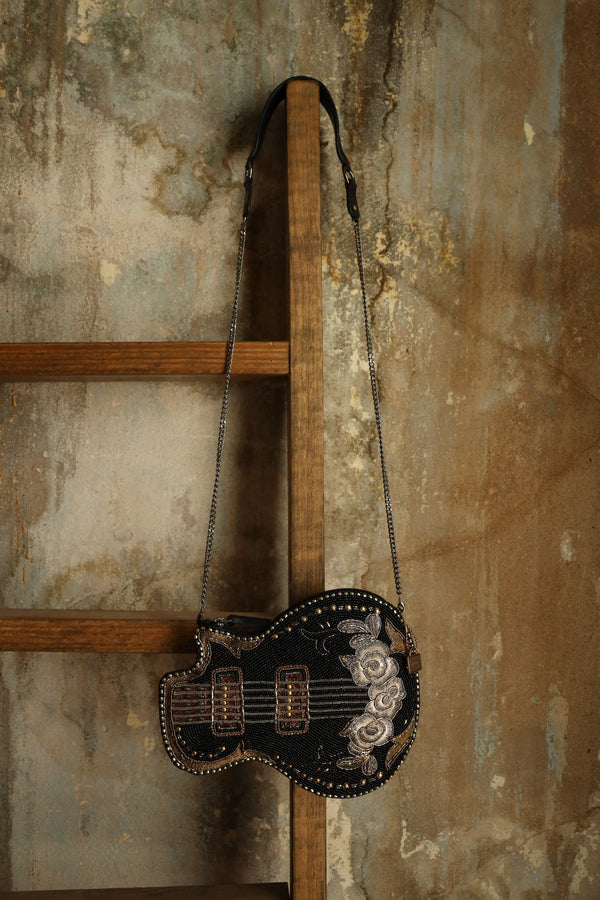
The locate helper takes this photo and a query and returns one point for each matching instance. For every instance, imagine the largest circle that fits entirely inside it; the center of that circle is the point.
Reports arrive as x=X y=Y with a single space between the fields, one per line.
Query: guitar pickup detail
x=292 y=700
x=227 y=702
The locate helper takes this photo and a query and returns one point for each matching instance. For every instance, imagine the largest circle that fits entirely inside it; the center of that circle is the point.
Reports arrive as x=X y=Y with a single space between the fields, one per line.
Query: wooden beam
x=96 y=631
x=155 y=359
x=100 y=631
x=305 y=434
x=274 y=891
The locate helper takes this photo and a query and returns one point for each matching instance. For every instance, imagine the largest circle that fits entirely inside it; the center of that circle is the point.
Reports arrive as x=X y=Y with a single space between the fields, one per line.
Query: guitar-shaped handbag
x=328 y=692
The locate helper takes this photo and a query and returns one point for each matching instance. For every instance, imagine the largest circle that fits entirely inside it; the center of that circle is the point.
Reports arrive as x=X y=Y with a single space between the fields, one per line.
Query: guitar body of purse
x=327 y=692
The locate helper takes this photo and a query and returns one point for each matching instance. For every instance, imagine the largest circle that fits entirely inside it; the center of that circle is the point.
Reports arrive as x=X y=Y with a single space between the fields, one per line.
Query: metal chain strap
x=223 y=420
x=225 y=403
x=375 y=392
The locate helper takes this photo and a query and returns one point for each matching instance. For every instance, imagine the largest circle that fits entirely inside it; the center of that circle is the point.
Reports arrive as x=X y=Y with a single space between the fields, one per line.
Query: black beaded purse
x=328 y=692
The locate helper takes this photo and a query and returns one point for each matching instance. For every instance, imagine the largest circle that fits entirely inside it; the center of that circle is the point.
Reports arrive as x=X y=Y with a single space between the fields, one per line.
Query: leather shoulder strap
x=326 y=100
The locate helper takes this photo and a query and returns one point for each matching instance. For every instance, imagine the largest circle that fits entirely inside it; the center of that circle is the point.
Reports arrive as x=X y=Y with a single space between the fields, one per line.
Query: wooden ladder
x=301 y=359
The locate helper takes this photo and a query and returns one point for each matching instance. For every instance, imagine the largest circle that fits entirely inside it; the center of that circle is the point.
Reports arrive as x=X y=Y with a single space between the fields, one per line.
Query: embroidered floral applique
x=371 y=664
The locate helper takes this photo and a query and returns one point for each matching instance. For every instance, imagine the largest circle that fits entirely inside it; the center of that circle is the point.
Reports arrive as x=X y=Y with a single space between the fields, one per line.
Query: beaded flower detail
x=372 y=665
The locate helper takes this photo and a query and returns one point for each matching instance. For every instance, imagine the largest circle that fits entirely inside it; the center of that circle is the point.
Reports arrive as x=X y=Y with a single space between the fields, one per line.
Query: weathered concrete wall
x=473 y=129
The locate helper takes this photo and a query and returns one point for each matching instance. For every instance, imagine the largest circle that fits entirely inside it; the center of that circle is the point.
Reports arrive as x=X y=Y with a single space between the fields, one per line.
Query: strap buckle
x=351 y=200
x=248 y=182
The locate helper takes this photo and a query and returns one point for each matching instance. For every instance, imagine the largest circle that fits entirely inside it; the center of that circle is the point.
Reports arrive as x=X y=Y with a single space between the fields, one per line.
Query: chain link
x=223 y=420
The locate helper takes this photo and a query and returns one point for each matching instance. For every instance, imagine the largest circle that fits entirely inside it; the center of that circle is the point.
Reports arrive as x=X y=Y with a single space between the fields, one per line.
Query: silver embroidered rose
x=371 y=664
x=368 y=731
x=386 y=699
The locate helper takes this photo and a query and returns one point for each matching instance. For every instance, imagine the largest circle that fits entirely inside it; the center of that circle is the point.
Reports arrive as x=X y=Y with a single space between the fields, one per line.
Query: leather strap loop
x=326 y=100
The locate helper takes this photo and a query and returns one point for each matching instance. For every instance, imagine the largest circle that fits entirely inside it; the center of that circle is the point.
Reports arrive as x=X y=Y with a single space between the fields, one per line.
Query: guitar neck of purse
x=352 y=204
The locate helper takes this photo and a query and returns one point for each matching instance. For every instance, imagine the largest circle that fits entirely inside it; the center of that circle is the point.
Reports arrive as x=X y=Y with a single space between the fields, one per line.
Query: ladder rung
x=154 y=359
x=100 y=631
x=265 y=891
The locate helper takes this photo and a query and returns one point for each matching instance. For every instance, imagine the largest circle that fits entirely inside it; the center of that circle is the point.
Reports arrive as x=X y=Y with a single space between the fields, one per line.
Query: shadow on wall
x=249 y=538
x=263 y=312
x=4 y=787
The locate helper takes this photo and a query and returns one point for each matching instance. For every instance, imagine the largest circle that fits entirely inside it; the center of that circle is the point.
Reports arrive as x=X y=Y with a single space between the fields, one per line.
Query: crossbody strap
x=272 y=102
x=326 y=100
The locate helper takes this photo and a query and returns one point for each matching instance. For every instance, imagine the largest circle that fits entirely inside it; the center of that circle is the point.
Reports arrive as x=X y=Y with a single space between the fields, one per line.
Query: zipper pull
x=413 y=661
x=413 y=657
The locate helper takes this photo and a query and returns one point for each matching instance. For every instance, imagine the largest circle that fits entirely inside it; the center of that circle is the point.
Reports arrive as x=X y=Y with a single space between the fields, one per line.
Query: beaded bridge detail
x=328 y=694
x=291 y=700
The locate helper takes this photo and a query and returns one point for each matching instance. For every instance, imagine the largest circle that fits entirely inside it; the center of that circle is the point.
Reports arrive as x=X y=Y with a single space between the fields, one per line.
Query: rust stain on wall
x=33 y=83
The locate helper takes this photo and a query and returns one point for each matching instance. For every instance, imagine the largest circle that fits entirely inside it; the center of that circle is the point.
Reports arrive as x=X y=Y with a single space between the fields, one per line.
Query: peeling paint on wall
x=556 y=732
